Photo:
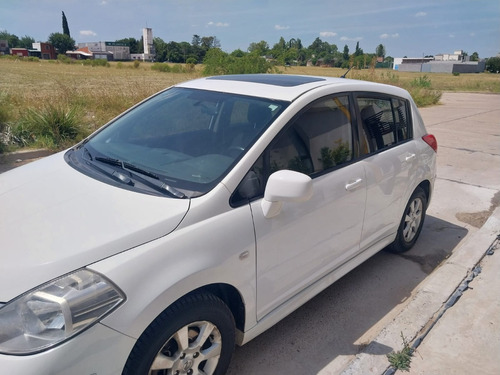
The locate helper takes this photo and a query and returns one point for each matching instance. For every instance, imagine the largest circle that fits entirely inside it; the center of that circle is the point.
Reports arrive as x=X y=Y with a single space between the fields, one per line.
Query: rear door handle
x=410 y=157
x=350 y=186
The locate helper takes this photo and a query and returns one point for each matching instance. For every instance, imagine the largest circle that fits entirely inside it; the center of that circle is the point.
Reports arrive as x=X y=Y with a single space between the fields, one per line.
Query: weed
x=53 y=126
x=423 y=82
x=401 y=360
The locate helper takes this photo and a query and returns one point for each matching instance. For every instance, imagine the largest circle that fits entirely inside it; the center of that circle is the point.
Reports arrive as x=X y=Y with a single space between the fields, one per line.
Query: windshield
x=189 y=138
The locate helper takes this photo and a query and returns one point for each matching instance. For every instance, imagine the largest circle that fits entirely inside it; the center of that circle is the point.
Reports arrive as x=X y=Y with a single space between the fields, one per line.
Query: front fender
x=218 y=250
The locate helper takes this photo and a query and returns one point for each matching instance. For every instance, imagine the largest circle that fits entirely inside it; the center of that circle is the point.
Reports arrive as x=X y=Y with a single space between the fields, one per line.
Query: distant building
x=108 y=50
x=21 y=52
x=81 y=54
x=4 y=47
x=149 y=48
x=44 y=51
x=455 y=62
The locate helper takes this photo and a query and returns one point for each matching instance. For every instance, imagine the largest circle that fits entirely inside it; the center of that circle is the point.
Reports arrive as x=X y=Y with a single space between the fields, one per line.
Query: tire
x=195 y=335
x=411 y=222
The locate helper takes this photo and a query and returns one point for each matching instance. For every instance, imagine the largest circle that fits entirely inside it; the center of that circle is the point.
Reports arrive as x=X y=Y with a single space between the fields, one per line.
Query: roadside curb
x=428 y=300
x=22 y=155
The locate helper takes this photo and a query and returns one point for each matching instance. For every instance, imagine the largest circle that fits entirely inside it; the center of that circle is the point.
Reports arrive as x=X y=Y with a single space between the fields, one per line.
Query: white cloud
x=218 y=24
x=327 y=34
x=355 y=39
x=451 y=35
x=420 y=14
x=279 y=27
x=387 y=36
x=87 y=33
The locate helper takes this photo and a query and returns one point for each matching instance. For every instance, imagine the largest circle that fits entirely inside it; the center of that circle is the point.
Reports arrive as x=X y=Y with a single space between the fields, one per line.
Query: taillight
x=431 y=141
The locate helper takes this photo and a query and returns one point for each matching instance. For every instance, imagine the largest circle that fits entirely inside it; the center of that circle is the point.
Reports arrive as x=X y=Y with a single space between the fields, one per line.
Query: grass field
x=97 y=94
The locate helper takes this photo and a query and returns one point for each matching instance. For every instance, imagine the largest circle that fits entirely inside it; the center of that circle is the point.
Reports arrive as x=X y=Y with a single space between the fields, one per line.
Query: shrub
x=64 y=59
x=424 y=82
x=161 y=67
x=96 y=62
x=218 y=62
x=53 y=126
x=136 y=64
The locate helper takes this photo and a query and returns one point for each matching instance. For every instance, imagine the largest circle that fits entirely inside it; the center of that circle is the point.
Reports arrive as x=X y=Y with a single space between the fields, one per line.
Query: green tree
x=161 y=49
x=358 y=51
x=260 y=49
x=493 y=65
x=26 y=42
x=380 y=50
x=132 y=43
x=61 y=42
x=474 y=57
x=345 y=54
x=196 y=42
x=65 y=25
x=12 y=39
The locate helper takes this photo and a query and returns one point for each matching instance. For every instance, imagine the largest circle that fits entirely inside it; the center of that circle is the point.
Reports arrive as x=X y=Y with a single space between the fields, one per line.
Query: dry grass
x=100 y=93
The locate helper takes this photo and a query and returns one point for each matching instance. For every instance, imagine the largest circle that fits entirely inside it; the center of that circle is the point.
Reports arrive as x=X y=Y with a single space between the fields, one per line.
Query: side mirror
x=285 y=186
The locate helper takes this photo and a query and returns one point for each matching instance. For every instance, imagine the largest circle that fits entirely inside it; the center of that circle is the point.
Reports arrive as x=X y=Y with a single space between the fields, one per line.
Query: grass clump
x=401 y=360
x=52 y=127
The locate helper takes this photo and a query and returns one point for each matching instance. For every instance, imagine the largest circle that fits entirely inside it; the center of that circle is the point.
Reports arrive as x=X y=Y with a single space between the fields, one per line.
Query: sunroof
x=270 y=79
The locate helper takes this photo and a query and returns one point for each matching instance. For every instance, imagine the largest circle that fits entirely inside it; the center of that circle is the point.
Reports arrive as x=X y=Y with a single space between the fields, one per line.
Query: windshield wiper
x=149 y=178
x=126 y=166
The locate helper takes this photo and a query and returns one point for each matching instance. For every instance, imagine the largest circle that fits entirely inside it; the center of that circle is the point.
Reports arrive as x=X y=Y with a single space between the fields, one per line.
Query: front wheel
x=194 y=336
x=411 y=222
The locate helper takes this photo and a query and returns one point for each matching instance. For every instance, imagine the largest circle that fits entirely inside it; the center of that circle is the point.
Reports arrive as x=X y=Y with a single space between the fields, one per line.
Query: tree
x=259 y=49
x=26 y=42
x=196 y=41
x=493 y=64
x=380 y=51
x=208 y=42
x=474 y=57
x=65 y=25
x=358 y=51
x=132 y=43
x=12 y=39
x=61 y=42
x=345 y=54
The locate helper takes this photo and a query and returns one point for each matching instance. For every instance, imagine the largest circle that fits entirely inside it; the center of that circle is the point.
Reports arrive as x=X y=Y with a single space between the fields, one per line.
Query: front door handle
x=350 y=186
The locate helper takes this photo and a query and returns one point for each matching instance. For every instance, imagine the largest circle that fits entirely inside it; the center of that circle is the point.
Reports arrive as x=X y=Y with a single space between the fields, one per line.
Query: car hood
x=54 y=219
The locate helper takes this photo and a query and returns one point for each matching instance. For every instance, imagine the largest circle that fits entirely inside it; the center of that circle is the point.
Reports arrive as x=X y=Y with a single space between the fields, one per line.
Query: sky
x=405 y=27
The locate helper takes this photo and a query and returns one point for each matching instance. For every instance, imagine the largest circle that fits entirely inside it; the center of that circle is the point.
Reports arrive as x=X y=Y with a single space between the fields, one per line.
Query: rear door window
x=385 y=122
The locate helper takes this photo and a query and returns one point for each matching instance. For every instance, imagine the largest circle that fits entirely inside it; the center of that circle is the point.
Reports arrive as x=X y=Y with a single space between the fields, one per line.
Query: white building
x=108 y=50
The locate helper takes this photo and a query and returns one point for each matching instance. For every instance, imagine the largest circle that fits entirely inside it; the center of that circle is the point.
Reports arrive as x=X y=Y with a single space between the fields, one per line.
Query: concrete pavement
x=464 y=338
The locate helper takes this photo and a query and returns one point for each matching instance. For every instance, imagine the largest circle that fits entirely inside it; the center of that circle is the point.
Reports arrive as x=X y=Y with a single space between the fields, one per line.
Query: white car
x=201 y=217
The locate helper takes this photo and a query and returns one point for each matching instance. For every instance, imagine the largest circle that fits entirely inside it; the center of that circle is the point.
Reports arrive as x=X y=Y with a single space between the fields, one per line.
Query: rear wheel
x=194 y=336
x=411 y=222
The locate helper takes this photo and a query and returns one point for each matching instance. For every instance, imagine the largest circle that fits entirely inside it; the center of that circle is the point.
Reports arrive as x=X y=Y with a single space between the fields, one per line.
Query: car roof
x=283 y=86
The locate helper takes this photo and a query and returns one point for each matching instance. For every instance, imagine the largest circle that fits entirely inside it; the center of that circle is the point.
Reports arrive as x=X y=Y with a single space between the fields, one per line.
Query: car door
x=307 y=240
x=390 y=165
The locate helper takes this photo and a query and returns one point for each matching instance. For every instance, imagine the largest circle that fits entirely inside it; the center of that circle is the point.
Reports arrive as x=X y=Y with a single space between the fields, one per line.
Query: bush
x=161 y=67
x=493 y=65
x=136 y=64
x=218 y=62
x=64 y=59
x=5 y=116
x=96 y=62
x=52 y=127
x=423 y=82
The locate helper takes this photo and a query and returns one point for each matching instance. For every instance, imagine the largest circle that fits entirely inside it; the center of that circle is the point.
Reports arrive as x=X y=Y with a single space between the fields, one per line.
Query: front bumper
x=97 y=351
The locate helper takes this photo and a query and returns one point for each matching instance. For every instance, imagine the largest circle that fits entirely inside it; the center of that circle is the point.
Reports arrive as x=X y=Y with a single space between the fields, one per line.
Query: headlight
x=56 y=311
